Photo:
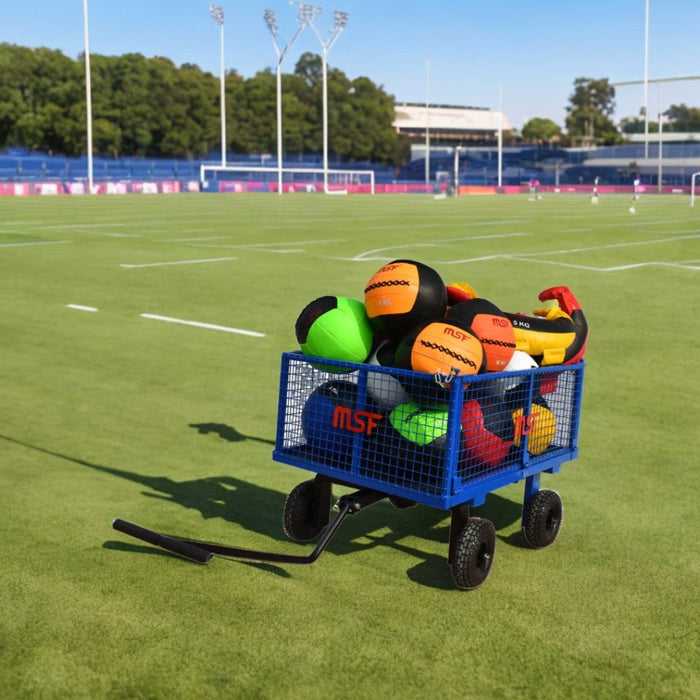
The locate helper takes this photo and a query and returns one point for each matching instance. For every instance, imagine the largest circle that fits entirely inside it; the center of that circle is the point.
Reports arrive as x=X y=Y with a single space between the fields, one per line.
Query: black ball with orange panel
x=403 y=294
x=440 y=347
x=493 y=328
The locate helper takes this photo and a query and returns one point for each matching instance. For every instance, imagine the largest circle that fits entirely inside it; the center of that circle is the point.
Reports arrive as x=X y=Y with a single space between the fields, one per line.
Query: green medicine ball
x=419 y=425
x=335 y=328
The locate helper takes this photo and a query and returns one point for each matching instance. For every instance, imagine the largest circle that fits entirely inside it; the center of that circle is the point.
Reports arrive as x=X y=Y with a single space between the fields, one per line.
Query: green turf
x=108 y=414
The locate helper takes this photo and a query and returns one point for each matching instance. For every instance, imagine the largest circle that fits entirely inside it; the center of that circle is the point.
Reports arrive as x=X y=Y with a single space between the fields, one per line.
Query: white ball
x=385 y=389
x=520 y=360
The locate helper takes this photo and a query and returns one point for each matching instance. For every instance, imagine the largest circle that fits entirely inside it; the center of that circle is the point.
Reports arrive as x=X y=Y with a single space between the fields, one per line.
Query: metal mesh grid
x=407 y=433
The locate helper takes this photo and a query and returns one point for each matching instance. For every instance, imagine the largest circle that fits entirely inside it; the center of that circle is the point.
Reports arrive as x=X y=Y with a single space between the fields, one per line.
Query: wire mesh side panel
x=519 y=420
x=415 y=444
x=402 y=432
x=365 y=424
x=312 y=418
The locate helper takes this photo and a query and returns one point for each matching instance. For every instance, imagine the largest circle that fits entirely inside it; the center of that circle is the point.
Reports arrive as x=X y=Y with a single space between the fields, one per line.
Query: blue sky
x=458 y=52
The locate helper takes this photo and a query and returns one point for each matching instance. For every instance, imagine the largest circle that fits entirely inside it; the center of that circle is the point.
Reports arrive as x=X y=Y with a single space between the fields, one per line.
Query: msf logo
x=355 y=421
x=524 y=425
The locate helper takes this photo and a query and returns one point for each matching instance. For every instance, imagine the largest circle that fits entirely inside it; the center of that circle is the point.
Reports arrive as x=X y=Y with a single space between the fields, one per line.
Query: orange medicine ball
x=402 y=294
x=491 y=326
x=440 y=347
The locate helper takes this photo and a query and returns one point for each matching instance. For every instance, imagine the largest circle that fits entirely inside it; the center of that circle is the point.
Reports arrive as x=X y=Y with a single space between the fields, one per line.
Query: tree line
x=149 y=107
x=589 y=118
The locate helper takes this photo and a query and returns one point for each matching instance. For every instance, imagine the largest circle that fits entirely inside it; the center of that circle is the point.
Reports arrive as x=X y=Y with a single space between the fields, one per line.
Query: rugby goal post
x=693 y=180
x=295 y=179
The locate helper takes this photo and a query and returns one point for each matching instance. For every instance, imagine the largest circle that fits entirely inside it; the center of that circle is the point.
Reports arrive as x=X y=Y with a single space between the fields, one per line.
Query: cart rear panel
x=440 y=441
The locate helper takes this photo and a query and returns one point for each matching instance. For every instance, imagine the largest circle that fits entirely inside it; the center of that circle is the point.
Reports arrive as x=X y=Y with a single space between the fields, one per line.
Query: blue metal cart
x=413 y=438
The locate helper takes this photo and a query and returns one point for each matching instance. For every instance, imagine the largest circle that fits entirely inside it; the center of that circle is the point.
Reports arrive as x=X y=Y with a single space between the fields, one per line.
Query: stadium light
x=427 y=124
x=500 y=137
x=340 y=21
x=456 y=170
x=88 y=96
x=646 y=79
x=661 y=157
x=270 y=18
x=217 y=13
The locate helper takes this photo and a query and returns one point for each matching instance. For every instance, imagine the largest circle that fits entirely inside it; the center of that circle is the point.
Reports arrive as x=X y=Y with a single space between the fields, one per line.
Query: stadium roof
x=409 y=117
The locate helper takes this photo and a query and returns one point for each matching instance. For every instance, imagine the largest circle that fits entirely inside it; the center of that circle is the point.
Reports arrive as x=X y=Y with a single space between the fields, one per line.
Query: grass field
x=106 y=413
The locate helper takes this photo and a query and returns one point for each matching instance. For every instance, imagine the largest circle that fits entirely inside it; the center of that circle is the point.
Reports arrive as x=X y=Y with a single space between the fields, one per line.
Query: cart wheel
x=298 y=518
x=473 y=553
x=542 y=518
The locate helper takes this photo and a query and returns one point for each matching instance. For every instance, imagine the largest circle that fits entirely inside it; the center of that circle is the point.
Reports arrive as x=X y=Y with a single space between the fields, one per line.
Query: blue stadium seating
x=477 y=166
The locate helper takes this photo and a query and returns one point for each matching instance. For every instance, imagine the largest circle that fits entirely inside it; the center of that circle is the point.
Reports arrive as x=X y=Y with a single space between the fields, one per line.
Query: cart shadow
x=251 y=506
x=259 y=509
x=227 y=432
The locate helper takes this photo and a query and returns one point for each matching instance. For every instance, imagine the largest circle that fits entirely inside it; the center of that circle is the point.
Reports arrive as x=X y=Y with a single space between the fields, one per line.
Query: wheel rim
x=552 y=520
x=483 y=557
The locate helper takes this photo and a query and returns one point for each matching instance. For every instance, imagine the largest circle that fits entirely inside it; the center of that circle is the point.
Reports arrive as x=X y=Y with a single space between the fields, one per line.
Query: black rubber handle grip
x=183 y=549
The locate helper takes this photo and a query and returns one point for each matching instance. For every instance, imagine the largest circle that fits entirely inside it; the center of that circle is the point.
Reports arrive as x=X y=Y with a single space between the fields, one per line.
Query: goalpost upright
x=692 y=188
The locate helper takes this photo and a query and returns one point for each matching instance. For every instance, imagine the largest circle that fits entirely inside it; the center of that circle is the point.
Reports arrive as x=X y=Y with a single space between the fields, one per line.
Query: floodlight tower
x=646 y=79
x=217 y=13
x=270 y=18
x=340 y=21
x=88 y=95
x=659 y=176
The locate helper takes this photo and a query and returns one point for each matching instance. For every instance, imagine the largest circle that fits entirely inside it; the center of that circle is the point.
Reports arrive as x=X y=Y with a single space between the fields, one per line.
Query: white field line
x=176 y=262
x=617 y=268
x=266 y=247
x=627 y=244
x=83 y=228
x=375 y=254
x=72 y=227
x=442 y=225
x=311 y=242
x=278 y=251
x=108 y=235
x=17 y=245
x=197 y=324
x=196 y=239
x=270 y=247
x=80 y=307
x=564 y=251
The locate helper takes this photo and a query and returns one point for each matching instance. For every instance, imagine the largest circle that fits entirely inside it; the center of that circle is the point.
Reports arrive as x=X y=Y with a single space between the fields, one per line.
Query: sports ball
x=409 y=448
x=386 y=391
x=487 y=433
x=402 y=294
x=519 y=361
x=540 y=427
x=329 y=432
x=336 y=328
x=440 y=347
x=420 y=425
x=490 y=325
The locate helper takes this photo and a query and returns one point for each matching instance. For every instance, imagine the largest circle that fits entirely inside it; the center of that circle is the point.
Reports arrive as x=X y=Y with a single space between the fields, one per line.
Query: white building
x=448 y=126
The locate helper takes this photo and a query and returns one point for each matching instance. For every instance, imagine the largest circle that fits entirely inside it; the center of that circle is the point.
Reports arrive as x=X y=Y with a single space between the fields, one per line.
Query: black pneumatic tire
x=298 y=516
x=542 y=518
x=473 y=553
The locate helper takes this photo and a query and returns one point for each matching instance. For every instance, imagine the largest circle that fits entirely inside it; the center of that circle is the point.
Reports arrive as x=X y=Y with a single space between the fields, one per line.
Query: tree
x=360 y=115
x=310 y=68
x=540 y=130
x=683 y=118
x=148 y=107
x=591 y=106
